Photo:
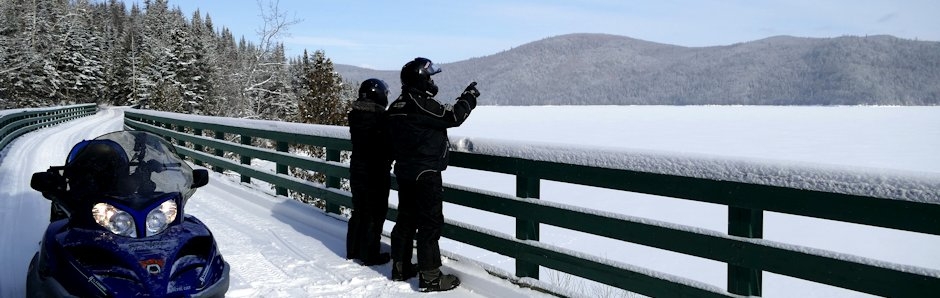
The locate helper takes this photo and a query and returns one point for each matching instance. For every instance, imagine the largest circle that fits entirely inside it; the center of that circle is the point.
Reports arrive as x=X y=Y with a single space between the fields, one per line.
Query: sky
x=386 y=34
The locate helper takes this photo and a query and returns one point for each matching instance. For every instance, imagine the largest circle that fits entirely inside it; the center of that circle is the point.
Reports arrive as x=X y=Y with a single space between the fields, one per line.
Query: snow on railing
x=16 y=122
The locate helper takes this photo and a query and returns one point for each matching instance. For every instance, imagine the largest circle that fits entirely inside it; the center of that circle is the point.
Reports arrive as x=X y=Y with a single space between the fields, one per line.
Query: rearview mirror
x=46 y=182
x=200 y=178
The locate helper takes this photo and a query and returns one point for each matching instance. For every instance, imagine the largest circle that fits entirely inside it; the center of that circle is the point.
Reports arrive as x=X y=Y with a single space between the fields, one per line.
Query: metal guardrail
x=20 y=121
x=742 y=249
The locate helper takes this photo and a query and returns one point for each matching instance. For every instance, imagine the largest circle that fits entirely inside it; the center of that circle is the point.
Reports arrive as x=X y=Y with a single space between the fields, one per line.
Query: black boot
x=435 y=281
x=379 y=259
x=402 y=271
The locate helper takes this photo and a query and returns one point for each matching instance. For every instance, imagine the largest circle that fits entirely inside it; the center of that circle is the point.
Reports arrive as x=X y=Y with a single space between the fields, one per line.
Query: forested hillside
x=594 y=69
x=59 y=52
x=55 y=52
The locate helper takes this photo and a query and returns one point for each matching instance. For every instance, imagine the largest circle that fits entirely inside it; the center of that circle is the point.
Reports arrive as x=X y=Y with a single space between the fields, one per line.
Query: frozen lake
x=904 y=138
x=875 y=139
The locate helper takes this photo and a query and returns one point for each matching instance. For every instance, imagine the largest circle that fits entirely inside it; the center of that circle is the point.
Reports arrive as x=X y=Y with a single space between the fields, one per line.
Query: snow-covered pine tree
x=183 y=61
x=31 y=78
x=114 y=22
x=229 y=67
x=282 y=103
x=79 y=62
x=325 y=101
x=10 y=60
x=156 y=77
x=202 y=81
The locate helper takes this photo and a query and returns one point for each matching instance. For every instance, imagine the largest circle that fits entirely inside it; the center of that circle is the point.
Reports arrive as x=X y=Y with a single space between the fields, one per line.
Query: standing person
x=369 y=176
x=418 y=127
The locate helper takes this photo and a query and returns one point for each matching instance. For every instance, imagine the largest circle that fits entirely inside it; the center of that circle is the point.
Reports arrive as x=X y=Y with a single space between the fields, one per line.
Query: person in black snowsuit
x=418 y=127
x=369 y=177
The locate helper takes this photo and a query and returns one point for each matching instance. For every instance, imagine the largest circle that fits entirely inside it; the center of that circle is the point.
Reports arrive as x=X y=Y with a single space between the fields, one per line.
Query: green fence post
x=167 y=126
x=527 y=187
x=749 y=223
x=246 y=160
x=180 y=129
x=219 y=135
x=197 y=147
x=332 y=181
x=281 y=169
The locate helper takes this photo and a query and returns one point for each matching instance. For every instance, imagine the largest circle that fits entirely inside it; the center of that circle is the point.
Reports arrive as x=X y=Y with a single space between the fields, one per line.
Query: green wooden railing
x=14 y=123
x=741 y=248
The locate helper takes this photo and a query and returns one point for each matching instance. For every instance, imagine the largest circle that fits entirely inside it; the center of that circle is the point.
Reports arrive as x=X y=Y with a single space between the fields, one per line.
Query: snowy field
x=282 y=249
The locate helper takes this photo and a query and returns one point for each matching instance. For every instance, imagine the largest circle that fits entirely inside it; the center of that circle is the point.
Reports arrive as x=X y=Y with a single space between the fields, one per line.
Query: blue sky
x=386 y=34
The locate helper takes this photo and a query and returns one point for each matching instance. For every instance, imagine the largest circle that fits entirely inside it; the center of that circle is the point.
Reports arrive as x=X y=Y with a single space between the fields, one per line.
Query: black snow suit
x=418 y=128
x=369 y=179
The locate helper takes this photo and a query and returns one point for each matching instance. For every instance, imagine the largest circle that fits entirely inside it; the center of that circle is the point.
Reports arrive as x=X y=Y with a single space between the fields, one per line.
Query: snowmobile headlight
x=115 y=220
x=160 y=217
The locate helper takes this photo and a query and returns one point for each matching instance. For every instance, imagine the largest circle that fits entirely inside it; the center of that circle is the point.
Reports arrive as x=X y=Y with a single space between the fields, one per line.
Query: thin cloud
x=887 y=18
x=322 y=41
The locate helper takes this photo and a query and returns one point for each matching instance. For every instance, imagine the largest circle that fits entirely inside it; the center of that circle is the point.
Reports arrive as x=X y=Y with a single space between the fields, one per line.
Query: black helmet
x=96 y=166
x=417 y=74
x=374 y=90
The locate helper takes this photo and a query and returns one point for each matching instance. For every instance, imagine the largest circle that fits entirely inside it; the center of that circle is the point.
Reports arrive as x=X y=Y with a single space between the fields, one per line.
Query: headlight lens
x=115 y=220
x=160 y=217
x=122 y=223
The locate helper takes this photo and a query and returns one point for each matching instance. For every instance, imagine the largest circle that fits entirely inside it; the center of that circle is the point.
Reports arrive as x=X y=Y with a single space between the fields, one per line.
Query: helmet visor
x=432 y=69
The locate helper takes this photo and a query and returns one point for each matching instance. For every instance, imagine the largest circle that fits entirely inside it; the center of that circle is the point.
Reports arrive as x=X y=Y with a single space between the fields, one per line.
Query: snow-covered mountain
x=592 y=69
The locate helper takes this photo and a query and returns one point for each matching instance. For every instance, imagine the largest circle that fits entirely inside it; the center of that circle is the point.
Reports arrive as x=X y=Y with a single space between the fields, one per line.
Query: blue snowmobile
x=118 y=226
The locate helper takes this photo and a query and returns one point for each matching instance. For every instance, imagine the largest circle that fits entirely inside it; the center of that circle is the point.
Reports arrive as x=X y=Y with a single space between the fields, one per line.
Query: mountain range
x=602 y=69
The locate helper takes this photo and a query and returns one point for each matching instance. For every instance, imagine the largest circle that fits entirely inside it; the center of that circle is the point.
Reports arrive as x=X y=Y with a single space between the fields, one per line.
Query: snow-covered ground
x=279 y=248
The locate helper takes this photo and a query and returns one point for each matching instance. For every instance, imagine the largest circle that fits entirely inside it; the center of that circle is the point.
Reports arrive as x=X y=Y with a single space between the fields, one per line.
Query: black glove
x=471 y=90
x=470 y=95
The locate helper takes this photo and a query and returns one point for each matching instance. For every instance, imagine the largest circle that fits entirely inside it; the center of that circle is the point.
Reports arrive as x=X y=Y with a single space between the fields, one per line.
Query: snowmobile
x=118 y=226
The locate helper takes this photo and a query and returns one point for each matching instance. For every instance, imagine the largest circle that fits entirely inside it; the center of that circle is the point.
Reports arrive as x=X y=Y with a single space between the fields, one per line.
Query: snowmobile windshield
x=152 y=169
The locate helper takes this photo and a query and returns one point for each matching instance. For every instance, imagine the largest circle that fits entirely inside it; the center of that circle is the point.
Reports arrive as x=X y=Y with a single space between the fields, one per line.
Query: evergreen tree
x=155 y=78
x=323 y=103
x=11 y=61
x=79 y=62
x=68 y=51
x=201 y=80
x=227 y=83
x=323 y=99
x=116 y=72
x=32 y=78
